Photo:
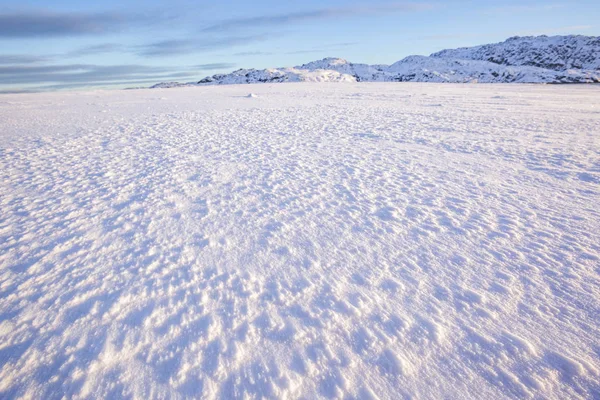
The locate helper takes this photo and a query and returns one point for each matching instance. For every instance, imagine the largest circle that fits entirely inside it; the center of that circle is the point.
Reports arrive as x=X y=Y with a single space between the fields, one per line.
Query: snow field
x=316 y=240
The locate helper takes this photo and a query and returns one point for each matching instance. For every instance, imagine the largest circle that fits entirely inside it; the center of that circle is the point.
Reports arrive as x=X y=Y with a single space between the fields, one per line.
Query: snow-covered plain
x=314 y=240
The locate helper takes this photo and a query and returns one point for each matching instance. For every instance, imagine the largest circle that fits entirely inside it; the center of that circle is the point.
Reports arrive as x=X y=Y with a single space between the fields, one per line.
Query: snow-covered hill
x=455 y=70
x=360 y=72
x=542 y=59
x=558 y=53
x=297 y=74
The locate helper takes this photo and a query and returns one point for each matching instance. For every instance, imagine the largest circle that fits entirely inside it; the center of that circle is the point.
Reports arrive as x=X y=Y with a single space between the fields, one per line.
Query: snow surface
x=337 y=241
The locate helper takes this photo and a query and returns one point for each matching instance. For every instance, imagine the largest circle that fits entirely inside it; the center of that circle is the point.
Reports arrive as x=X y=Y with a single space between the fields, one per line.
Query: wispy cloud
x=164 y=47
x=186 y=46
x=16 y=91
x=74 y=75
x=213 y=66
x=311 y=15
x=97 y=49
x=50 y=24
x=253 y=53
x=22 y=59
x=22 y=74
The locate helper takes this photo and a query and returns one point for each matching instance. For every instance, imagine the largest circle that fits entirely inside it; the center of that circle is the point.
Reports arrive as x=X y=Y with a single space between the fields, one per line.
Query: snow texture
x=541 y=59
x=313 y=241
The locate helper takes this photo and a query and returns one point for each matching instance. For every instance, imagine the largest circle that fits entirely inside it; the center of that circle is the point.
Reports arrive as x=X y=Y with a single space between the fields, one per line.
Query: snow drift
x=351 y=241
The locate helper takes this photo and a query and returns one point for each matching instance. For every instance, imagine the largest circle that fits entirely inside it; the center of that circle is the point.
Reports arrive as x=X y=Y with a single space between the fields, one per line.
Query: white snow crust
x=317 y=241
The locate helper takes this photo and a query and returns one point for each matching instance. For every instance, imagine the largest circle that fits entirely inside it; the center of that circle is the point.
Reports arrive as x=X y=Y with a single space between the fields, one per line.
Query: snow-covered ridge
x=296 y=74
x=558 y=53
x=541 y=59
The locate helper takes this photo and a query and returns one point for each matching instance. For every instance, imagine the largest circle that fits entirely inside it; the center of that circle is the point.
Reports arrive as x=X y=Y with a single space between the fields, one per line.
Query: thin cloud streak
x=22 y=59
x=253 y=53
x=213 y=66
x=97 y=49
x=312 y=15
x=50 y=24
x=17 y=91
x=164 y=47
x=71 y=74
x=186 y=46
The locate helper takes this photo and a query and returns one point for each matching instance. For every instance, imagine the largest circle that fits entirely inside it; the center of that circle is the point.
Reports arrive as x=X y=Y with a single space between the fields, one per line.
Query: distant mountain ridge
x=558 y=53
x=530 y=59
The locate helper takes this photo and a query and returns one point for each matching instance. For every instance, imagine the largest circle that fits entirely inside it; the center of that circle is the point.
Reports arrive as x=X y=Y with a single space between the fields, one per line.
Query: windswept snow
x=337 y=241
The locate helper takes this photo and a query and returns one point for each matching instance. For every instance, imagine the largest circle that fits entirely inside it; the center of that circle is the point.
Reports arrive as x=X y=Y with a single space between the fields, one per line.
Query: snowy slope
x=314 y=241
x=429 y=69
x=557 y=53
x=542 y=59
x=410 y=69
x=361 y=72
x=278 y=76
x=272 y=75
x=168 y=85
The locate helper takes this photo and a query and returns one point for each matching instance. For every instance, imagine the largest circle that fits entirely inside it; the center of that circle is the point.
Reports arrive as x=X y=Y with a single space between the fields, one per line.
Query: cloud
x=186 y=46
x=21 y=59
x=77 y=75
x=22 y=74
x=97 y=49
x=213 y=66
x=49 y=24
x=311 y=15
x=252 y=53
x=16 y=91
x=165 y=47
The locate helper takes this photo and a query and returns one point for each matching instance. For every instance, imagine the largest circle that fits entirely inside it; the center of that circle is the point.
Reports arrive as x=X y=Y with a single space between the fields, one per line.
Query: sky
x=74 y=44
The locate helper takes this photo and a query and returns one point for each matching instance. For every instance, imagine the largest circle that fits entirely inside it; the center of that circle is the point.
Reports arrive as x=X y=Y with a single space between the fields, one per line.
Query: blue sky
x=67 y=44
